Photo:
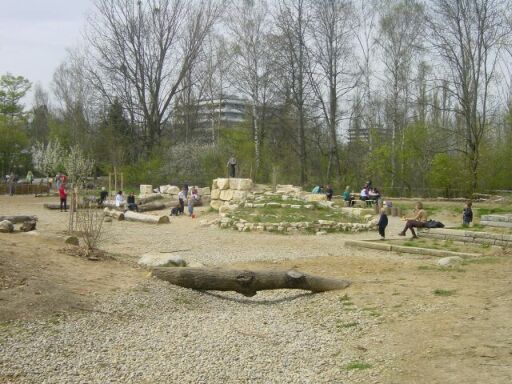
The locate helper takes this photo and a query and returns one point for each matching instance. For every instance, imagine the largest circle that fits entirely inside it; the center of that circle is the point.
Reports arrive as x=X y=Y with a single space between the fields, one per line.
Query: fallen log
x=118 y=215
x=150 y=219
x=150 y=198
x=57 y=206
x=153 y=206
x=246 y=282
x=18 y=219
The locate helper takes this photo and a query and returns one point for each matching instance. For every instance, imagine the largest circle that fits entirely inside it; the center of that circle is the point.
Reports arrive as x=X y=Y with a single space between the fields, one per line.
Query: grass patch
x=372 y=311
x=440 y=269
x=347 y=325
x=357 y=365
x=482 y=260
x=444 y=292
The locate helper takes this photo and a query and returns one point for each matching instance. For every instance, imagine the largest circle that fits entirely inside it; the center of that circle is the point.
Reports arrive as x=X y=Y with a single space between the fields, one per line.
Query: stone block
x=215 y=195
x=240 y=184
x=145 y=189
x=450 y=261
x=172 y=190
x=312 y=197
x=226 y=194
x=204 y=191
x=239 y=195
x=216 y=204
x=163 y=188
x=222 y=183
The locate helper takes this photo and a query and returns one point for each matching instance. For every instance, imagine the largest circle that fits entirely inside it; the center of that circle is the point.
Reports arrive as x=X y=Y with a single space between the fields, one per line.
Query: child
x=191 y=201
x=383 y=223
x=467 y=214
x=63 y=197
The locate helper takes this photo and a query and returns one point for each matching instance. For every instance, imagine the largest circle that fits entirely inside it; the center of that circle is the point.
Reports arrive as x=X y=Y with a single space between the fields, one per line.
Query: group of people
x=328 y=191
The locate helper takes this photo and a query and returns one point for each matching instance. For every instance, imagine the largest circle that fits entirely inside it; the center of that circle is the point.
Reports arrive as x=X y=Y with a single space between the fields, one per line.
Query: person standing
x=232 y=165
x=329 y=192
x=467 y=214
x=383 y=223
x=103 y=196
x=12 y=184
x=182 y=196
x=191 y=201
x=63 y=197
x=30 y=177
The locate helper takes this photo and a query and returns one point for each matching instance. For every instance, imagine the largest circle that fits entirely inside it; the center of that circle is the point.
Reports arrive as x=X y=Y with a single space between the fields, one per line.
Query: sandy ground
x=464 y=337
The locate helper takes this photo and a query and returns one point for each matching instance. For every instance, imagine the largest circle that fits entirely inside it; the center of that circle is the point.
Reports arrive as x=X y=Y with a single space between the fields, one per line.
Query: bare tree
x=141 y=52
x=334 y=76
x=400 y=37
x=251 y=69
x=469 y=36
x=292 y=23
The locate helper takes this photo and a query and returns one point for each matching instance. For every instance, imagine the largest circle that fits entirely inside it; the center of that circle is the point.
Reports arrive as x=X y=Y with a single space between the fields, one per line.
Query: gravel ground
x=161 y=333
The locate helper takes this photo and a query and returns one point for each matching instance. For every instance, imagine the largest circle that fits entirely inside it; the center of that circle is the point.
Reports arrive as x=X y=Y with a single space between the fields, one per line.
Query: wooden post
x=115 y=179
x=109 y=183
x=122 y=181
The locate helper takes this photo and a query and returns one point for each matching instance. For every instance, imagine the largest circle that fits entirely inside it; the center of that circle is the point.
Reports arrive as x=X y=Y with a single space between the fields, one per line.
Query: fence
x=25 y=189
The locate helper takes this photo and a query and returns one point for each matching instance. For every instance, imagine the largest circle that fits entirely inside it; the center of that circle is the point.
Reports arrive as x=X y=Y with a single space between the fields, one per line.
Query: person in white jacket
x=119 y=199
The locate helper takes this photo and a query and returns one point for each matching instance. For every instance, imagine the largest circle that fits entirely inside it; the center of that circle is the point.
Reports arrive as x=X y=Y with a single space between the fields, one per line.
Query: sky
x=34 y=35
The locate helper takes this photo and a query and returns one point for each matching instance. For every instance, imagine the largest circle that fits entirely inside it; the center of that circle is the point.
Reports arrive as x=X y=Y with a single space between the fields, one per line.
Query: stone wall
x=469 y=236
x=504 y=221
x=229 y=191
x=171 y=192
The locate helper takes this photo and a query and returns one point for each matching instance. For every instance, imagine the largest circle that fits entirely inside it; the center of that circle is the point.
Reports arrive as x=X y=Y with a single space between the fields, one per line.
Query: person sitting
x=103 y=196
x=329 y=192
x=119 y=199
x=132 y=206
x=364 y=194
x=316 y=189
x=418 y=221
x=347 y=197
x=182 y=196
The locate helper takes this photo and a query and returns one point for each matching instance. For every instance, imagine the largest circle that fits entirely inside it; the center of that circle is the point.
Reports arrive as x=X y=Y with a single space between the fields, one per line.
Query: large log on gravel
x=118 y=215
x=18 y=219
x=57 y=205
x=245 y=282
x=150 y=219
x=153 y=206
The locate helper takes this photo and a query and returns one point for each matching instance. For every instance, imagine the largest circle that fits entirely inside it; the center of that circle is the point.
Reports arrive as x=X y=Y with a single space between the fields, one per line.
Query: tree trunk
x=150 y=219
x=118 y=215
x=18 y=219
x=153 y=206
x=246 y=282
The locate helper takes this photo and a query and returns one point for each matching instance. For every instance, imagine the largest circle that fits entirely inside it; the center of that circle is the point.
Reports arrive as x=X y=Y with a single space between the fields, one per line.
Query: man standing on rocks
x=232 y=165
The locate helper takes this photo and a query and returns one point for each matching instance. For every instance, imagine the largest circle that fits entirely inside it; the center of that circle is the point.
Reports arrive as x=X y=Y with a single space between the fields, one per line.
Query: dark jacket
x=383 y=220
x=467 y=215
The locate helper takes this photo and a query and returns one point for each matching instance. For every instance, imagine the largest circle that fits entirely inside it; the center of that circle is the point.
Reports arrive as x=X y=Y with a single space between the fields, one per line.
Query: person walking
x=63 y=197
x=232 y=165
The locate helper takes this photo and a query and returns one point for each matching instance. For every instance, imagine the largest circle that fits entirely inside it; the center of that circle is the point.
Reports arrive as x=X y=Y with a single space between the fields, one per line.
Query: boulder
x=152 y=260
x=312 y=197
x=204 y=191
x=222 y=183
x=164 y=188
x=6 y=226
x=287 y=189
x=240 y=184
x=227 y=208
x=226 y=194
x=216 y=204
x=172 y=190
x=145 y=189
x=449 y=261
x=215 y=194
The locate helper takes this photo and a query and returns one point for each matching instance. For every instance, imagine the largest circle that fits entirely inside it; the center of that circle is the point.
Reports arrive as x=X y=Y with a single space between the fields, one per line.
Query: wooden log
x=118 y=215
x=149 y=199
x=245 y=282
x=27 y=226
x=142 y=218
x=153 y=206
x=18 y=219
x=57 y=205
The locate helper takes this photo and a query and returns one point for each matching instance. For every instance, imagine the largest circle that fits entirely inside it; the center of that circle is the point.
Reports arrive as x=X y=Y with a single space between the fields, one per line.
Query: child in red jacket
x=63 y=198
